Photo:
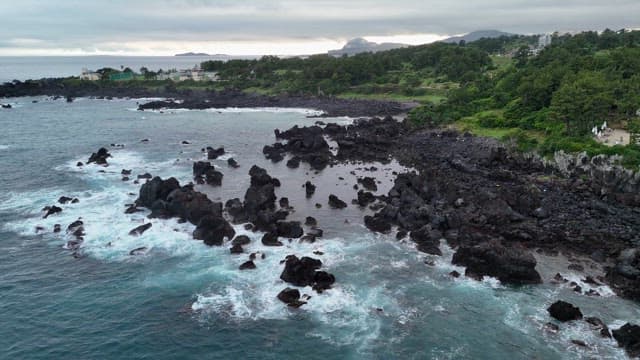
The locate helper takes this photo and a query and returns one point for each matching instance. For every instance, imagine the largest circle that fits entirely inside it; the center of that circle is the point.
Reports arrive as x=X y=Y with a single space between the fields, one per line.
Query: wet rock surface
x=564 y=311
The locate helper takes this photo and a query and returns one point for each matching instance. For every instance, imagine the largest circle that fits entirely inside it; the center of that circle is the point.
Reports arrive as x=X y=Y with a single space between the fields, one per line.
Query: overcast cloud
x=280 y=26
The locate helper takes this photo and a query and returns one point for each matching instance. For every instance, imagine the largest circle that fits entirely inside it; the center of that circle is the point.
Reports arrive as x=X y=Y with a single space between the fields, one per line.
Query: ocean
x=37 y=67
x=185 y=300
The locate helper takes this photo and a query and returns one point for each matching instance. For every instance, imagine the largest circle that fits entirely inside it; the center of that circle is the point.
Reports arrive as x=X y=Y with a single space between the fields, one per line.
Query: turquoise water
x=188 y=301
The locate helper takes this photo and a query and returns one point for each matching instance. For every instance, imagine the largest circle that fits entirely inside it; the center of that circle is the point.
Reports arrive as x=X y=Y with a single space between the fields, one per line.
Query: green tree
x=582 y=104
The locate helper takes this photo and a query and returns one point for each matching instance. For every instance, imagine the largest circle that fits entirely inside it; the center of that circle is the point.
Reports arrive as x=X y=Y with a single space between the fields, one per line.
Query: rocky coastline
x=201 y=99
x=497 y=208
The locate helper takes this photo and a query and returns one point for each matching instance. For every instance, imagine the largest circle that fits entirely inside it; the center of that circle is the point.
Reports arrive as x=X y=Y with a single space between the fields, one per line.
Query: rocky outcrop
x=51 y=210
x=510 y=265
x=563 y=311
x=606 y=176
x=304 y=272
x=289 y=229
x=140 y=229
x=100 y=157
x=167 y=199
x=307 y=144
x=368 y=183
x=624 y=276
x=212 y=229
x=628 y=337
x=291 y=297
x=260 y=201
x=204 y=172
x=427 y=240
x=213 y=154
x=309 y=189
x=336 y=203
x=232 y=163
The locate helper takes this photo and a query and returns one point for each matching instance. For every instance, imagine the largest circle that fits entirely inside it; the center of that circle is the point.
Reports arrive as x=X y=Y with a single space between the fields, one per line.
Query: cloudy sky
x=165 y=27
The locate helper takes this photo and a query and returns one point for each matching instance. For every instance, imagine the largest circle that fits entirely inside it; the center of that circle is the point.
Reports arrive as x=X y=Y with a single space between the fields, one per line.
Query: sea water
x=184 y=300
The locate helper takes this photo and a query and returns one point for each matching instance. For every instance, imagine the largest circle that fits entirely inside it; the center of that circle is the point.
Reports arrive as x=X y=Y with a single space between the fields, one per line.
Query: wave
x=233 y=110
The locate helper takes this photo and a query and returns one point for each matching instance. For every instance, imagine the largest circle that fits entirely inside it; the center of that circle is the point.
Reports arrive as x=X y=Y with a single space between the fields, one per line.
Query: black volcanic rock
x=336 y=203
x=289 y=229
x=300 y=272
x=214 y=153
x=290 y=297
x=140 y=229
x=510 y=265
x=309 y=188
x=248 y=265
x=563 y=311
x=213 y=229
x=203 y=172
x=628 y=337
x=232 y=163
x=167 y=199
x=271 y=239
x=369 y=183
x=100 y=157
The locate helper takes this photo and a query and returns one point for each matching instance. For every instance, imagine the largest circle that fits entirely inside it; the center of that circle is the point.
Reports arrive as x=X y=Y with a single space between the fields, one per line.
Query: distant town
x=126 y=74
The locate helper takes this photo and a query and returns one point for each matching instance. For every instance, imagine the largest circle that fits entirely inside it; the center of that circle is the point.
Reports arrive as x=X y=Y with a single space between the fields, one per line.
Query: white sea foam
x=307 y=112
x=4 y=147
x=234 y=110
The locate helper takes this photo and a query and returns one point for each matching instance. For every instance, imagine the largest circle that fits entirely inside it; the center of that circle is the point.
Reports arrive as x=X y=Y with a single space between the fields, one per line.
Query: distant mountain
x=192 y=54
x=477 y=35
x=360 y=45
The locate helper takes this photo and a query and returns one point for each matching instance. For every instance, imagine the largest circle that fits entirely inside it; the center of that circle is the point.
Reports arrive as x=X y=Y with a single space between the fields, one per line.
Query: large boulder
x=427 y=240
x=214 y=153
x=140 y=229
x=628 y=337
x=624 y=277
x=369 y=183
x=510 y=265
x=564 y=311
x=377 y=223
x=260 y=200
x=291 y=297
x=235 y=209
x=336 y=203
x=156 y=189
x=309 y=189
x=300 y=272
x=271 y=239
x=289 y=229
x=365 y=198
x=191 y=205
x=303 y=272
x=51 y=210
x=204 y=172
x=100 y=157
x=213 y=229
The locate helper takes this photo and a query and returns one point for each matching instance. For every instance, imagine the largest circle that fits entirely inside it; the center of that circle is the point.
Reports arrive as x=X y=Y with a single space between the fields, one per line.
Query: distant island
x=360 y=45
x=477 y=35
x=192 y=54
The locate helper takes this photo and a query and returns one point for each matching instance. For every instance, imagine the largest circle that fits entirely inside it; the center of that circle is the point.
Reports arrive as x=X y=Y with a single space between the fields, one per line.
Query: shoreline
x=201 y=99
x=479 y=196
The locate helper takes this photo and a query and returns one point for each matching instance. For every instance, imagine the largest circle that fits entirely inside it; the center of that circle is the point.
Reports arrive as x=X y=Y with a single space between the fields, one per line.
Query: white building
x=195 y=74
x=90 y=75
x=544 y=40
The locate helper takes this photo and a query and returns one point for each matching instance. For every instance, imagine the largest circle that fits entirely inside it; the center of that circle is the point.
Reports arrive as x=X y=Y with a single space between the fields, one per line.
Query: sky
x=280 y=27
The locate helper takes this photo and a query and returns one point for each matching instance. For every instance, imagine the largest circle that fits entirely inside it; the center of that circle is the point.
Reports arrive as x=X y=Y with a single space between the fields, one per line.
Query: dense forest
x=402 y=70
x=553 y=100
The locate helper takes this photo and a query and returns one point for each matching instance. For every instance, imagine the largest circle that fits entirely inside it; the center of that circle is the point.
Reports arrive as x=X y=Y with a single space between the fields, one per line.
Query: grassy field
x=428 y=98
